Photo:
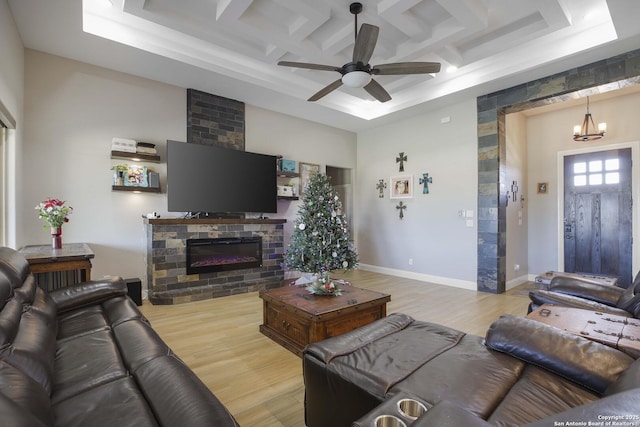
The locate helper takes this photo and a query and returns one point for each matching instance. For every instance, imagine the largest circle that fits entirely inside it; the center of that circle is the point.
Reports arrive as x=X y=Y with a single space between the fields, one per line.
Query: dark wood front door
x=598 y=214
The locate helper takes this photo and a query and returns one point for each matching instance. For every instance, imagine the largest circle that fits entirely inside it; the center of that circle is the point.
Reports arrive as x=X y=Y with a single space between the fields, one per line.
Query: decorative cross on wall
x=425 y=181
x=401 y=207
x=514 y=190
x=401 y=159
x=381 y=185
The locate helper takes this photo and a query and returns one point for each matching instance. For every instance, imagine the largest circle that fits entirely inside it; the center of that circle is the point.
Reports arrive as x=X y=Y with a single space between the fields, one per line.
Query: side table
x=59 y=268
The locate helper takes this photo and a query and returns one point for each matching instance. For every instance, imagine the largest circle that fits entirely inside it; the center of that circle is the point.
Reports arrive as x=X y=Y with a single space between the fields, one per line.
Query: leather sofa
x=85 y=356
x=589 y=295
x=521 y=373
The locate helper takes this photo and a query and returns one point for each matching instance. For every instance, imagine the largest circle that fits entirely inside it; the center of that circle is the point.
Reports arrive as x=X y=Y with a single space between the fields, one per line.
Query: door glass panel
x=612 y=164
x=580 y=167
x=595 y=166
x=595 y=179
x=612 y=178
x=580 y=180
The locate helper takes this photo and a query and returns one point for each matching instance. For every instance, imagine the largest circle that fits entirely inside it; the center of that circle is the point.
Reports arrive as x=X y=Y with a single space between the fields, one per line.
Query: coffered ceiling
x=231 y=47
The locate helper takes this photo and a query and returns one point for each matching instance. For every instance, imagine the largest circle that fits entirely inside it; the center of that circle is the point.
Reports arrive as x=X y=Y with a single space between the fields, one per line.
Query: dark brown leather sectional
x=522 y=373
x=85 y=356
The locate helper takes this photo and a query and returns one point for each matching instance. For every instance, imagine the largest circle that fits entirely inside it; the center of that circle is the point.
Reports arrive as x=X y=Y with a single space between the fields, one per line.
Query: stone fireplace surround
x=167 y=280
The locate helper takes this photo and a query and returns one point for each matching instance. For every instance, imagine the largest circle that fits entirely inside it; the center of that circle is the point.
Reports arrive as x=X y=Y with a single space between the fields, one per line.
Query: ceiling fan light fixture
x=587 y=132
x=356 y=79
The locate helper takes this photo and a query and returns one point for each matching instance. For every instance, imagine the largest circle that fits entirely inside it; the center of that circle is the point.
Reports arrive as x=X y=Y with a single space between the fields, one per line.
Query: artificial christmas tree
x=320 y=241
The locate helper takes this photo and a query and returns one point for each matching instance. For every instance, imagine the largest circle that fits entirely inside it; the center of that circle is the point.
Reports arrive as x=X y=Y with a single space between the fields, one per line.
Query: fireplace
x=223 y=254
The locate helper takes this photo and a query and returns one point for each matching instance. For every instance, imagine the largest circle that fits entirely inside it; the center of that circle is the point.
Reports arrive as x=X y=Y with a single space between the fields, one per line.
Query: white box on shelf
x=123 y=144
x=285 y=190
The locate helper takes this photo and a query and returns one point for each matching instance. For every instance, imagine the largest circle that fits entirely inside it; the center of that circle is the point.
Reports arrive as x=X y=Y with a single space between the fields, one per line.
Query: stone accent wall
x=214 y=120
x=167 y=280
x=601 y=76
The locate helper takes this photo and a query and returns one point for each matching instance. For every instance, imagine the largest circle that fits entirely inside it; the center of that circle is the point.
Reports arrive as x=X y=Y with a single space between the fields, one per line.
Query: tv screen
x=204 y=178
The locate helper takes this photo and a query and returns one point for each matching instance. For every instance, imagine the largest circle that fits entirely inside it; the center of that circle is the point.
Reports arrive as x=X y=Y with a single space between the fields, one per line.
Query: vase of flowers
x=55 y=213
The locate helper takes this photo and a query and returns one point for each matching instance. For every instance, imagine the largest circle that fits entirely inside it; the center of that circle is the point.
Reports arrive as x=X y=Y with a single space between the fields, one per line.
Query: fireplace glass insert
x=223 y=254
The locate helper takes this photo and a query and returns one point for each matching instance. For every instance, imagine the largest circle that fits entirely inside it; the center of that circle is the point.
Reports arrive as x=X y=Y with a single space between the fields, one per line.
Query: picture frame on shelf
x=136 y=176
x=306 y=170
x=286 y=165
x=401 y=187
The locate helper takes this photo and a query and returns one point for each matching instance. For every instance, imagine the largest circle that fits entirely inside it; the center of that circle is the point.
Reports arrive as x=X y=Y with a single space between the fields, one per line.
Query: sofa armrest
x=619 y=409
x=87 y=293
x=548 y=297
x=347 y=343
x=446 y=414
x=590 y=364
x=604 y=294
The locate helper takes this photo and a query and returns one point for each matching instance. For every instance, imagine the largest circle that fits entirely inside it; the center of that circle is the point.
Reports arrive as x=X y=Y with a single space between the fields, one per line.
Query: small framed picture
x=306 y=170
x=543 y=187
x=401 y=187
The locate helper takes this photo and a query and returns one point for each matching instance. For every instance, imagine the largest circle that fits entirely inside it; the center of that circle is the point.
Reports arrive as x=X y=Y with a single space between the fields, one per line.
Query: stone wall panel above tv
x=214 y=120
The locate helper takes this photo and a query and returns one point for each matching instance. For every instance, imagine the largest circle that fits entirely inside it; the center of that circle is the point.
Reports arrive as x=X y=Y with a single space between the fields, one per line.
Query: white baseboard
x=447 y=281
x=517 y=281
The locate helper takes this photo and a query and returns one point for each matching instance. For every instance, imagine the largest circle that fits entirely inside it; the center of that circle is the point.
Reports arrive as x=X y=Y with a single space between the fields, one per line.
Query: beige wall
x=11 y=98
x=517 y=218
x=73 y=110
x=432 y=234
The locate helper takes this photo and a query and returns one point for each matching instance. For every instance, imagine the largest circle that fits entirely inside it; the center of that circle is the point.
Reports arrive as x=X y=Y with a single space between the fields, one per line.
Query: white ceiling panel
x=231 y=47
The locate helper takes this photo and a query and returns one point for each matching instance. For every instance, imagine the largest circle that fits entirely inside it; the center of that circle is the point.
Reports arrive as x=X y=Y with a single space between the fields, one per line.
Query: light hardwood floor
x=260 y=381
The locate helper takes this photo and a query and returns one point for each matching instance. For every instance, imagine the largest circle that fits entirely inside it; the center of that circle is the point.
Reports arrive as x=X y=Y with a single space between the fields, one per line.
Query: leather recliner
x=522 y=372
x=574 y=292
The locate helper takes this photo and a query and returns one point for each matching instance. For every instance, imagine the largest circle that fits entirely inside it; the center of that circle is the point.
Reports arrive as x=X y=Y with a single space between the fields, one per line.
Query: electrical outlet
x=410 y=261
x=516 y=267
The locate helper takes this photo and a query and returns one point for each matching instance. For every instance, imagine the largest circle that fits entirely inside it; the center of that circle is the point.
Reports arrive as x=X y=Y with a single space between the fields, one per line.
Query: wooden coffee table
x=294 y=318
x=618 y=332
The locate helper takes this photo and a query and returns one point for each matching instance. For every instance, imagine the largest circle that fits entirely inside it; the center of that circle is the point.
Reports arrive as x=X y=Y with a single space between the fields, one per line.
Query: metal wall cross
x=381 y=185
x=401 y=207
x=425 y=181
x=401 y=159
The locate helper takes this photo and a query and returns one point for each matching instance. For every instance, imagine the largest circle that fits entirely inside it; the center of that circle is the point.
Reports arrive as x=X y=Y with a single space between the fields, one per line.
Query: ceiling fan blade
x=365 y=43
x=406 y=68
x=309 y=66
x=326 y=90
x=377 y=91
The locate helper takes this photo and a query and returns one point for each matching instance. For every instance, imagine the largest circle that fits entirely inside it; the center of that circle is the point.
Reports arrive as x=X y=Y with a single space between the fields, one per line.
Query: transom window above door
x=596 y=172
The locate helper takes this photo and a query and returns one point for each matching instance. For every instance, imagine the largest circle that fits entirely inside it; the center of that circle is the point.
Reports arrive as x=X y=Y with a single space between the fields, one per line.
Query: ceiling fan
x=358 y=73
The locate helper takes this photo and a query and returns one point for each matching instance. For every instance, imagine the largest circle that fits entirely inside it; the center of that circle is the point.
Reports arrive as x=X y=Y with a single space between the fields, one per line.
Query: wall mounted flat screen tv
x=204 y=178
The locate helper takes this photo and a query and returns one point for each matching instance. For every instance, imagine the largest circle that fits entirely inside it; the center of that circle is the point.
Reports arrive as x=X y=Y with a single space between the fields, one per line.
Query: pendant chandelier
x=587 y=132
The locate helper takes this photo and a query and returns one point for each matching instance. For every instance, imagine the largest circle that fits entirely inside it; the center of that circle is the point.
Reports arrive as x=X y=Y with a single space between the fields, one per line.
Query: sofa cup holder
x=388 y=421
x=411 y=408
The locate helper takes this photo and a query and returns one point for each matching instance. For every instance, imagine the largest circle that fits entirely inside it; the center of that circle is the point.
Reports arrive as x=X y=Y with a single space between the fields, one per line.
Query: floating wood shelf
x=133 y=188
x=287 y=174
x=137 y=157
x=288 y=198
